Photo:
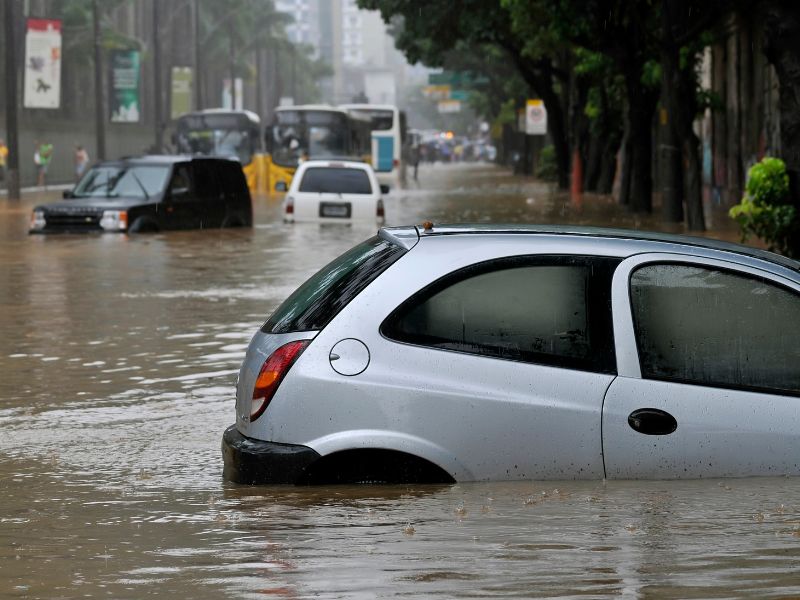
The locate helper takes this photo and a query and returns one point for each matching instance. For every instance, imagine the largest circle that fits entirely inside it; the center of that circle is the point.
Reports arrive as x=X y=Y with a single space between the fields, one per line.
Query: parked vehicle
x=334 y=191
x=151 y=193
x=452 y=353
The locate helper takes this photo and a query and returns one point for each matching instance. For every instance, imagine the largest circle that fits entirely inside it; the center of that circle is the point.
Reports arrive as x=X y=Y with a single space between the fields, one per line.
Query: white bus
x=388 y=140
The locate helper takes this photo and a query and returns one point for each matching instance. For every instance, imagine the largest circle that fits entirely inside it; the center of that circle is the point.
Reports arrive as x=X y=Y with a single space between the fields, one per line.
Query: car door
x=503 y=365
x=208 y=187
x=181 y=204
x=708 y=356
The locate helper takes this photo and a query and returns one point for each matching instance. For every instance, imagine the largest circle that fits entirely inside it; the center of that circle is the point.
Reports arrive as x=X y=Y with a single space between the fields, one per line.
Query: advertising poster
x=124 y=97
x=42 y=64
x=181 y=99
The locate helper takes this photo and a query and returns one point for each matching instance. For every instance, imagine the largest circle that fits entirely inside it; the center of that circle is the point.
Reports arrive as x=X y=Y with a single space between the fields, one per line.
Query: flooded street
x=118 y=357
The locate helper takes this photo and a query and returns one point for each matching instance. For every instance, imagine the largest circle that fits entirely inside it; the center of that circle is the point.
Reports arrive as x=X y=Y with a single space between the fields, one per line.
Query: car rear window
x=315 y=303
x=336 y=180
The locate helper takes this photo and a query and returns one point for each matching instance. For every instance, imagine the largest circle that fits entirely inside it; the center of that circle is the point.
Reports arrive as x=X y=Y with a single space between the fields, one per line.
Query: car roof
x=162 y=159
x=408 y=236
x=336 y=163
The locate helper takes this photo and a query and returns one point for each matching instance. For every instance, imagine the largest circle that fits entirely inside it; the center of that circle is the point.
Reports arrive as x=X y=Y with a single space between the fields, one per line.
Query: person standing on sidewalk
x=41 y=158
x=81 y=158
x=3 y=159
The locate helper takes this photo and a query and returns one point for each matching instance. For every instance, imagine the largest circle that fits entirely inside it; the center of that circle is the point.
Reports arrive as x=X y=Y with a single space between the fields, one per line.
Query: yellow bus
x=308 y=132
x=222 y=132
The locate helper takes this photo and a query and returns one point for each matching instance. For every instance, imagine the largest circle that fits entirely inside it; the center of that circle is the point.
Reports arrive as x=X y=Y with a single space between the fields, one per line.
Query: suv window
x=206 y=180
x=314 y=304
x=553 y=310
x=180 y=184
x=707 y=326
x=336 y=180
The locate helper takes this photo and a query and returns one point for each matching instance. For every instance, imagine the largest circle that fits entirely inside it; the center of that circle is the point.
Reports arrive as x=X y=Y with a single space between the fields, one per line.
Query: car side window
x=714 y=327
x=553 y=310
x=206 y=180
x=180 y=184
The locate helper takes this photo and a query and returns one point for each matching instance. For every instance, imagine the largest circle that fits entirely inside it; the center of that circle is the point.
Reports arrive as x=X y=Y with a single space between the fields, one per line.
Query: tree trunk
x=627 y=168
x=594 y=164
x=782 y=48
x=640 y=114
x=672 y=178
x=694 y=182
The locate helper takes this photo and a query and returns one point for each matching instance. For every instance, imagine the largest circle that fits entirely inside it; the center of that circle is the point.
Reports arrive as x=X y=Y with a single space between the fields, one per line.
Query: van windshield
x=315 y=303
x=111 y=181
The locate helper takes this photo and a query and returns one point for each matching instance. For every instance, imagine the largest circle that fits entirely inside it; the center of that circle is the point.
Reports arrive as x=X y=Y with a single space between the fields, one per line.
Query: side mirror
x=66 y=194
x=384 y=188
x=281 y=186
x=179 y=192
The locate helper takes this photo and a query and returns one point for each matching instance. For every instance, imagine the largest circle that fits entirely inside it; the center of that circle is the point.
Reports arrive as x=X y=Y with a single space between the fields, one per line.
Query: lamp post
x=99 y=104
x=12 y=131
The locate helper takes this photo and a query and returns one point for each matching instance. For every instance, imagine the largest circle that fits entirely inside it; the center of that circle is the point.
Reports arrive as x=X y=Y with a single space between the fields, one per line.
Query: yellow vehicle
x=222 y=132
x=308 y=132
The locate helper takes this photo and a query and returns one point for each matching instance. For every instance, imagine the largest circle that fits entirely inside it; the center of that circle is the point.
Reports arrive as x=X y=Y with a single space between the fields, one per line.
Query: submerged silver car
x=453 y=353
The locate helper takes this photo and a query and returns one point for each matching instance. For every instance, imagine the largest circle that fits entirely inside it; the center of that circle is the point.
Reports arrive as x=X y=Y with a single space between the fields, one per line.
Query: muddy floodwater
x=118 y=357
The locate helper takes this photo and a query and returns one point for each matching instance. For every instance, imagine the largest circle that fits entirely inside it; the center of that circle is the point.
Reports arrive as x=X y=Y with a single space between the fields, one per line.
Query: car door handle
x=652 y=421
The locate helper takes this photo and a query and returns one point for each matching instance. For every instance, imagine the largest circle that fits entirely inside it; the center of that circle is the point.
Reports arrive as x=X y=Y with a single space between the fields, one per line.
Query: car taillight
x=289 y=205
x=272 y=373
x=380 y=212
x=395 y=163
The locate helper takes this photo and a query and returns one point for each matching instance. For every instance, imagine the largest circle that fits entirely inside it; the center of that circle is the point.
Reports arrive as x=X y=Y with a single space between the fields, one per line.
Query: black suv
x=151 y=193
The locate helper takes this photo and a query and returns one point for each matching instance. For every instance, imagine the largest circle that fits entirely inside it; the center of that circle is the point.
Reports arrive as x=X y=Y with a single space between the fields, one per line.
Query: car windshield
x=106 y=181
x=335 y=180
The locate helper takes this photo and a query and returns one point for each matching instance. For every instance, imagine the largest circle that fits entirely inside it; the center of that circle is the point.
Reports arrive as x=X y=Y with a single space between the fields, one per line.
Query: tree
x=428 y=35
x=782 y=48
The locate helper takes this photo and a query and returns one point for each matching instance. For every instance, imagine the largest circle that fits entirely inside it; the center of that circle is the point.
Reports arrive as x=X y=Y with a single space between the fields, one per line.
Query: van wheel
x=143 y=225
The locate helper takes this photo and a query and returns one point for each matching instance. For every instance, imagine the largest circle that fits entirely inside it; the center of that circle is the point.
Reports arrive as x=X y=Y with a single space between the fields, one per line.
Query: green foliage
x=766 y=210
x=546 y=167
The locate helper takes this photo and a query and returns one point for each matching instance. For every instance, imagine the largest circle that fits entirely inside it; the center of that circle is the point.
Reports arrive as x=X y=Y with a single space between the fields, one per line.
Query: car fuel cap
x=349 y=357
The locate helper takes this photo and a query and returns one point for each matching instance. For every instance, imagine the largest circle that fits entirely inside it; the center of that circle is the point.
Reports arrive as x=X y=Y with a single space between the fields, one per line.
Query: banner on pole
x=42 y=64
x=181 y=99
x=125 y=69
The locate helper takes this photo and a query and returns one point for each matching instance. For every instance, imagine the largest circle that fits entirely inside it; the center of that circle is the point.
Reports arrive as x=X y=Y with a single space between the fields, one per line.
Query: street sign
x=436 y=92
x=449 y=106
x=535 y=117
x=42 y=64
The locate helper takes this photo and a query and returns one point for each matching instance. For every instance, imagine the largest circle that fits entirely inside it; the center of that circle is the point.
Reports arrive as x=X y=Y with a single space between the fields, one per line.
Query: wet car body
x=490 y=353
x=169 y=192
x=334 y=191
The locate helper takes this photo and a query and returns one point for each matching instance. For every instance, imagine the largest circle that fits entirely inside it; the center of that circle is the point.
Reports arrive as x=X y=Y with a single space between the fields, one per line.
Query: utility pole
x=232 y=57
x=157 y=75
x=198 y=79
x=12 y=131
x=99 y=104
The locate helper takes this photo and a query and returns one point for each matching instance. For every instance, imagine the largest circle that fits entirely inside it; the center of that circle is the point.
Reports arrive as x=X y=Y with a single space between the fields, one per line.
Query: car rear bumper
x=257 y=462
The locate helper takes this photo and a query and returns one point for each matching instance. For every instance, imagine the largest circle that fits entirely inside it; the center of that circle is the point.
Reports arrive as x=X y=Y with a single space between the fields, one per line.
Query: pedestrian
x=81 y=158
x=41 y=158
x=3 y=159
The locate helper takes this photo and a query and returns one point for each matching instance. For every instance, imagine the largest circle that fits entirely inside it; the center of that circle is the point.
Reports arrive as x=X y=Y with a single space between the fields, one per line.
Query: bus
x=312 y=131
x=388 y=140
x=222 y=132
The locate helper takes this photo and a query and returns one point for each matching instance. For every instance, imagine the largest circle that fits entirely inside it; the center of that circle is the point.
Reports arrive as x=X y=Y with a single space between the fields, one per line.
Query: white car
x=447 y=353
x=337 y=191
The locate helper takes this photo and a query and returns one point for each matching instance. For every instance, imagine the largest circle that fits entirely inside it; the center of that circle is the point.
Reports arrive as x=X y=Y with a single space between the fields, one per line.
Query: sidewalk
x=27 y=190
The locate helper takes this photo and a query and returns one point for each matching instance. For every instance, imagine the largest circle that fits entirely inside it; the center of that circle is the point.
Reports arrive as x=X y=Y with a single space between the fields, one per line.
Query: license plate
x=338 y=210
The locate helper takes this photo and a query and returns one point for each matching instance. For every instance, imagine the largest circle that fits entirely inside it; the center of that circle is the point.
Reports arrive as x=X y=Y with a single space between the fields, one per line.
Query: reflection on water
x=117 y=364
